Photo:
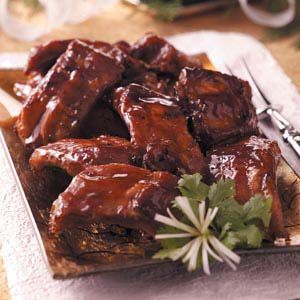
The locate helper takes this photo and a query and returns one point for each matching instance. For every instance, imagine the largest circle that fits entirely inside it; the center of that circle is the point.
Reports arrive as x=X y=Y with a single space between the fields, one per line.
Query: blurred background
x=29 y=20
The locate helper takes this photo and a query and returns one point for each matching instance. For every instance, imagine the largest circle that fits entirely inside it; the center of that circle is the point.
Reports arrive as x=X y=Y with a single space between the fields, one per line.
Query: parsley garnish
x=212 y=224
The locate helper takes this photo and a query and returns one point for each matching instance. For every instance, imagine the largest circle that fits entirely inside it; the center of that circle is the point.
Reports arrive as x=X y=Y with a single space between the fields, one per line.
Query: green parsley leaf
x=248 y=237
x=218 y=192
x=258 y=208
x=192 y=187
x=230 y=240
x=230 y=211
x=224 y=231
x=163 y=254
x=251 y=236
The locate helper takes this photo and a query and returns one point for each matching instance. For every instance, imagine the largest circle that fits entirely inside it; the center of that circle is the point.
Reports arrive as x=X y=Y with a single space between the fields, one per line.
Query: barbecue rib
x=74 y=155
x=66 y=94
x=157 y=126
x=44 y=56
x=252 y=163
x=115 y=194
x=161 y=56
x=23 y=90
x=218 y=105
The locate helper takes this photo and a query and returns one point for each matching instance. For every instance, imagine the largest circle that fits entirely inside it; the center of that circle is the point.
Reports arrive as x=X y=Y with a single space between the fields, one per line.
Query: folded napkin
x=258 y=277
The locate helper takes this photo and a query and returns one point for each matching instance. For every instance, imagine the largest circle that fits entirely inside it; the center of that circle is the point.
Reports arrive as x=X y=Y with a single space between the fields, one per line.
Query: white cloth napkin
x=258 y=277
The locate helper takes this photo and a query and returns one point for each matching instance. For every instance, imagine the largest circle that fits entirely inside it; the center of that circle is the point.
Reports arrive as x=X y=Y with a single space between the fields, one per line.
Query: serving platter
x=100 y=248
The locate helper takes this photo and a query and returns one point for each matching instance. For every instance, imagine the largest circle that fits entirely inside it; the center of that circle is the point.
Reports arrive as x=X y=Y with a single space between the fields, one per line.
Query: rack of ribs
x=126 y=120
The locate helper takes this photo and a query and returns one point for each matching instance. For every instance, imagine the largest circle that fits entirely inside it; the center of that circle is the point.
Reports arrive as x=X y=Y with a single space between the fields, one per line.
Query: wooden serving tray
x=100 y=247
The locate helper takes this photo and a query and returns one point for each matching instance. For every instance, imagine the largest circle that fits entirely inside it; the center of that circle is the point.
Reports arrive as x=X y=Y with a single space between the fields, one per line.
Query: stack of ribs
x=125 y=121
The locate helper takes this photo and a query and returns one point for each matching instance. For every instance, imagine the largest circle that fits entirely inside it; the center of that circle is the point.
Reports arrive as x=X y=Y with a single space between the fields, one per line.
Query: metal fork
x=289 y=134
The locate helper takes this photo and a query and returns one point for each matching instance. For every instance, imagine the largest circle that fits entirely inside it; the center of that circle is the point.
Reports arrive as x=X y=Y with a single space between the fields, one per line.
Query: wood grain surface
x=123 y=22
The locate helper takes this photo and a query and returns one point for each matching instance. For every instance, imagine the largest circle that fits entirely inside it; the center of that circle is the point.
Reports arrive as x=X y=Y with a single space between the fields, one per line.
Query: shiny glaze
x=44 y=56
x=159 y=83
x=132 y=67
x=161 y=56
x=143 y=62
x=23 y=90
x=123 y=45
x=252 y=163
x=57 y=106
x=41 y=59
x=157 y=126
x=115 y=194
x=218 y=105
x=74 y=155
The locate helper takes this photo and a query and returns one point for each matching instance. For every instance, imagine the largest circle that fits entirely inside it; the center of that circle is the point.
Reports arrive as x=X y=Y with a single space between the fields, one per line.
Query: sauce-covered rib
x=44 y=56
x=157 y=126
x=74 y=155
x=252 y=163
x=160 y=56
x=115 y=194
x=57 y=106
x=218 y=106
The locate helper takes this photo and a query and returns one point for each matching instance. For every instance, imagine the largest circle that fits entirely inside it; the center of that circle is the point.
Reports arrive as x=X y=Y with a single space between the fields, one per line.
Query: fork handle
x=289 y=134
x=292 y=137
x=278 y=119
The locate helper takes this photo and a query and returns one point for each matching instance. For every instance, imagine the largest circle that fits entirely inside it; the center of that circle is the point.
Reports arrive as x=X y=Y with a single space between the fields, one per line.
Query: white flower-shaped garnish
x=202 y=240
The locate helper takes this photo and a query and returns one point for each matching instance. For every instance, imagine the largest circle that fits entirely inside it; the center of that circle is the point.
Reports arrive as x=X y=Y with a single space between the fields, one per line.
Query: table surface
x=126 y=23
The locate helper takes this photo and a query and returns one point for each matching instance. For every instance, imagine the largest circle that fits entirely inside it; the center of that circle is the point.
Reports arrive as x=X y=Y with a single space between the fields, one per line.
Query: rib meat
x=252 y=163
x=218 y=105
x=74 y=155
x=161 y=56
x=115 y=194
x=23 y=90
x=44 y=56
x=156 y=82
x=57 y=106
x=157 y=126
